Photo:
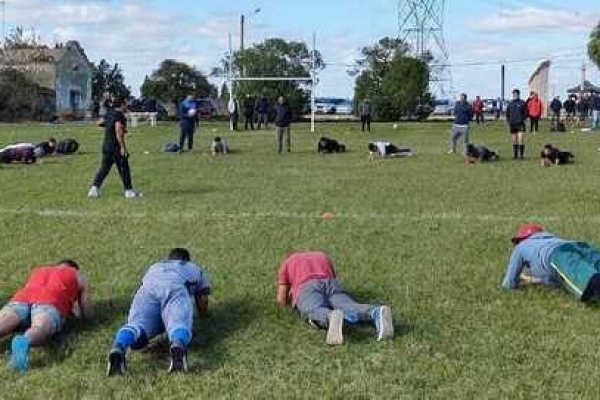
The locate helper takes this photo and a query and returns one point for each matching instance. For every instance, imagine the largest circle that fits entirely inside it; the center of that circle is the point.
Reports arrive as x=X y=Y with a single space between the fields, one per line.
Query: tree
x=275 y=57
x=396 y=82
x=18 y=39
x=174 y=80
x=109 y=79
x=22 y=99
x=594 y=46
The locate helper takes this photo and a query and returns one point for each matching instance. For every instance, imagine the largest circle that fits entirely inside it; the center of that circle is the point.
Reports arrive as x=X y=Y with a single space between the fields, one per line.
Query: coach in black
x=114 y=150
x=516 y=114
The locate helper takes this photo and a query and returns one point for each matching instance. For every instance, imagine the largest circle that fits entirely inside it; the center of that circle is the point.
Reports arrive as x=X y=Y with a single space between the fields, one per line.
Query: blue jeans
x=26 y=311
x=187 y=133
x=595 y=119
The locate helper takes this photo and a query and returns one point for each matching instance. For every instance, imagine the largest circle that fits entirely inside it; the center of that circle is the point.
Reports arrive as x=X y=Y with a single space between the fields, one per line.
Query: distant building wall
x=73 y=83
x=540 y=82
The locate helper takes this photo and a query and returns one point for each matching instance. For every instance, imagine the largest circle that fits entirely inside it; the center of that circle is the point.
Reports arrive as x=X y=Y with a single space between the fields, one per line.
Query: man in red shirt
x=478 y=110
x=51 y=294
x=535 y=108
x=309 y=280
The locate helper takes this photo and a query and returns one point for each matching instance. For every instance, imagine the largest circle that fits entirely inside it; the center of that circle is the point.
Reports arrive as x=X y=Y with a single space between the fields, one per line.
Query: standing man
x=188 y=111
x=478 y=108
x=164 y=303
x=52 y=293
x=516 y=113
x=463 y=114
x=583 y=110
x=365 y=114
x=534 y=111
x=262 y=109
x=539 y=257
x=595 y=106
x=114 y=151
x=499 y=108
x=309 y=280
x=569 y=106
x=249 y=113
x=556 y=107
x=234 y=112
x=283 y=121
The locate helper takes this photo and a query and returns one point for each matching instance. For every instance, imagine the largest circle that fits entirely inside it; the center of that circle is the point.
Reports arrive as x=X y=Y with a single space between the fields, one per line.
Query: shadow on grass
x=62 y=345
x=210 y=335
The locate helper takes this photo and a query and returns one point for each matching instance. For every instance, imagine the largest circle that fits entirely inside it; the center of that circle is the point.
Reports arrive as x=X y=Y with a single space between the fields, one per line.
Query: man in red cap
x=553 y=261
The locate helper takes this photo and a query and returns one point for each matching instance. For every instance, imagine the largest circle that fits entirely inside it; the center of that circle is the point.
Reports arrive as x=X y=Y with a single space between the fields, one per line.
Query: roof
x=588 y=87
x=42 y=54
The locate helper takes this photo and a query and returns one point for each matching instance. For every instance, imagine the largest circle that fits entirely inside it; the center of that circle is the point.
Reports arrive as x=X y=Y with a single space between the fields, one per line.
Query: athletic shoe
x=313 y=324
x=382 y=318
x=94 y=192
x=132 y=194
x=335 y=335
x=117 y=364
x=19 y=358
x=178 y=360
x=450 y=151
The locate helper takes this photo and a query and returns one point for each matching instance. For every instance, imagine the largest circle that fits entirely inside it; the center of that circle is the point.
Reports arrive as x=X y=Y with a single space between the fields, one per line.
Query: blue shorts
x=27 y=311
x=158 y=309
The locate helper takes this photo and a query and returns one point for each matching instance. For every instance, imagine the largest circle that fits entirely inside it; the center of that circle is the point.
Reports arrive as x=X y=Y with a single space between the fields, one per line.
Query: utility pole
x=503 y=82
x=582 y=78
x=3 y=4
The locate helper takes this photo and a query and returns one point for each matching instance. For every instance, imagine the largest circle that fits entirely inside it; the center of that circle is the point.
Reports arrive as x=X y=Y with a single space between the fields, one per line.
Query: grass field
x=427 y=235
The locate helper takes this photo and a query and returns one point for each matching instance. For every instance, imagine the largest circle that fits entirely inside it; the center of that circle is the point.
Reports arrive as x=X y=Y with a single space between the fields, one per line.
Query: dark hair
x=118 y=102
x=549 y=147
x=470 y=147
x=516 y=91
x=218 y=139
x=372 y=147
x=70 y=263
x=179 y=254
x=52 y=139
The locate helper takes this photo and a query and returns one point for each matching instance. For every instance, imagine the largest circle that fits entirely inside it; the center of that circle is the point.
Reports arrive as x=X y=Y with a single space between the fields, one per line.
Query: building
x=64 y=69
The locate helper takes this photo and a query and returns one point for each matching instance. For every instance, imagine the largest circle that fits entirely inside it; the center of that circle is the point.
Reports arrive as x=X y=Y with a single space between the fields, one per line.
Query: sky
x=480 y=35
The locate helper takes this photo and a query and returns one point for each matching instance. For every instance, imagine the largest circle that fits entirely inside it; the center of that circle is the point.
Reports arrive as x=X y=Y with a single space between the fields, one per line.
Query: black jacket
x=556 y=105
x=283 y=115
x=516 y=112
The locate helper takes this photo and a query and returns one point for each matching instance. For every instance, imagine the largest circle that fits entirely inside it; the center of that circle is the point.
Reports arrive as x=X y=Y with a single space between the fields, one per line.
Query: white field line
x=444 y=216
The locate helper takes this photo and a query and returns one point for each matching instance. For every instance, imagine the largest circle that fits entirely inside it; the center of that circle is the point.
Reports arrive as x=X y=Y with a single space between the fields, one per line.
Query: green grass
x=427 y=235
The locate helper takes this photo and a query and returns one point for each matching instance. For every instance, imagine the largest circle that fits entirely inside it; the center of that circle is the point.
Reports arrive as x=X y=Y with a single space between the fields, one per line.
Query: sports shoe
x=335 y=335
x=450 y=151
x=351 y=318
x=94 y=192
x=178 y=360
x=132 y=194
x=117 y=365
x=382 y=318
x=19 y=357
x=314 y=324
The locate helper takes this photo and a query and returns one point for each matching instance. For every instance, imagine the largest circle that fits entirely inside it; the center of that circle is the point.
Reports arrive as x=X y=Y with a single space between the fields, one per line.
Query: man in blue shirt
x=188 y=111
x=463 y=114
x=163 y=304
x=553 y=261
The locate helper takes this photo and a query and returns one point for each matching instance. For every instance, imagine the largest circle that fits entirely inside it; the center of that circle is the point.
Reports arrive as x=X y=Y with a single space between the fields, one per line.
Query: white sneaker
x=94 y=192
x=450 y=151
x=131 y=194
x=335 y=335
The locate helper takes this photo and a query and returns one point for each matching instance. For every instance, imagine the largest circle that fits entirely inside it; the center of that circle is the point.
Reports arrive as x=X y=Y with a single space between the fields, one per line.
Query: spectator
x=569 y=107
x=365 y=114
x=249 y=112
x=499 y=107
x=595 y=106
x=556 y=107
x=234 y=113
x=262 y=110
x=534 y=111
x=463 y=114
x=478 y=108
x=583 y=110
x=187 y=120
x=283 y=120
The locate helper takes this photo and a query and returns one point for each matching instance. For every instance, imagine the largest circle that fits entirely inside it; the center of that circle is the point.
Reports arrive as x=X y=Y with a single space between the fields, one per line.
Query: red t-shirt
x=52 y=285
x=300 y=268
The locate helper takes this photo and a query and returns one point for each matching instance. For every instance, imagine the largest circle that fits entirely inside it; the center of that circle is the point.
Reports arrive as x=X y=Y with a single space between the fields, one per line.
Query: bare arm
x=120 y=128
x=282 y=295
x=202 y=304
x=84 y=302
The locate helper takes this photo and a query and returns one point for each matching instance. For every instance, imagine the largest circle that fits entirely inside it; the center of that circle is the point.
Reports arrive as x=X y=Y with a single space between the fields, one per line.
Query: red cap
x=526 y=231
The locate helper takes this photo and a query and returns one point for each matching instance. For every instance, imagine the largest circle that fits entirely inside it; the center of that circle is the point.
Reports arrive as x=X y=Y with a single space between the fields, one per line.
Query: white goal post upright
x=231 y=79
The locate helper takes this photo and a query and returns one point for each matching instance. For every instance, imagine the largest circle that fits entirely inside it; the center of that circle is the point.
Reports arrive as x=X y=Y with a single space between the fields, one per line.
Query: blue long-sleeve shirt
x=463 y=113
x=184 y=110
x=533 y=253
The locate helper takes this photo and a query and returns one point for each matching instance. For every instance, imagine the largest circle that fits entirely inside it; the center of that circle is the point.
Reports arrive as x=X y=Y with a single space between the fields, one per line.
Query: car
x=206 y=108
x=330 y=105
x=443 y=107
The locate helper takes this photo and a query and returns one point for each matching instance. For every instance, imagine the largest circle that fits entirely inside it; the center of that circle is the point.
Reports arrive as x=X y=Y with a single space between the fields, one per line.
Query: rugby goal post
x=312 y=79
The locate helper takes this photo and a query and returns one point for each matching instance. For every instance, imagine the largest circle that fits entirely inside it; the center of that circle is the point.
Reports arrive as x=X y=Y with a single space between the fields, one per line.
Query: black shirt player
x=554 y=156
x=114 y=151
x=516 y=114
